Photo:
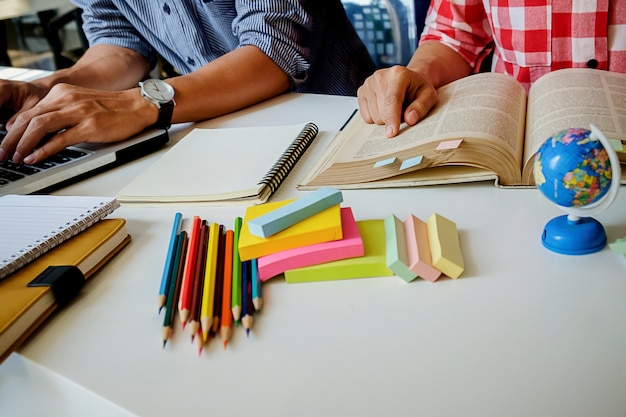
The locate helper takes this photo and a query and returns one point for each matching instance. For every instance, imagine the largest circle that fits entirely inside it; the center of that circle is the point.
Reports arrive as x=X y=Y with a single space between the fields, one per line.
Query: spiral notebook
x=31 y=225
x=243 y=165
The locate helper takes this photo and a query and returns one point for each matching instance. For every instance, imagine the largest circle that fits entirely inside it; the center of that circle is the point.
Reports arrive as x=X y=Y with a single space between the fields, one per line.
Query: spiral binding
x=283 y=166
x=56 y=237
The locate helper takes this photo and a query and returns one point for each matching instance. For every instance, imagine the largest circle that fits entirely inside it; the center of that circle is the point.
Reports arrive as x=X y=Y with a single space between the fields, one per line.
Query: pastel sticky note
x=418 y=249
x=411 y=162
x=616 y=144
x=285 y=216
x=349 y=247
x=445 y=248
x=371 y=264
x=324 y=226
x=449 y=144
x=385 y=162
x=396 y=255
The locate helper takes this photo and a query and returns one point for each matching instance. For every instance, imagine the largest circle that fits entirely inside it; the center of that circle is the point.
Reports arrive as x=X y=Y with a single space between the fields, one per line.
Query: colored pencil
x=246 y=297
x=196 y=295
x=236 y=282
x=206 y=309
x=257 y=298
x=186 y=288
x=169 y=261
x=219 y=282
x=226 y=322
x=175 y=281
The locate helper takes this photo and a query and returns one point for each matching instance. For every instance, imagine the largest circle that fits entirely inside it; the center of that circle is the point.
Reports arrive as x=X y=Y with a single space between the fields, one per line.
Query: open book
x=484 y=127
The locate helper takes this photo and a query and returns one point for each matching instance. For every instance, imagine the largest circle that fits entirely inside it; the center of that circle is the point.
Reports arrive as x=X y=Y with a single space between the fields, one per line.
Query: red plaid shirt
x=532 y=37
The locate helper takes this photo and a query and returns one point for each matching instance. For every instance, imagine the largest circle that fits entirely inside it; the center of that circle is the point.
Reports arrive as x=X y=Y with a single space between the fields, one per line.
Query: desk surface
x=524 y=332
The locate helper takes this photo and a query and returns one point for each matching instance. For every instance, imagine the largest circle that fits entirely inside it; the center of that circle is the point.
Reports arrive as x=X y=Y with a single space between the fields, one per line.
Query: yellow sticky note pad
x=324 y=226
x=371 y=264
x=445 y=247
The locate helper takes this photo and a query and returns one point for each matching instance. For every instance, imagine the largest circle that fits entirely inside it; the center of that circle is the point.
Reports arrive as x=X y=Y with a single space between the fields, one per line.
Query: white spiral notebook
x=31 y=225
x=241 y=165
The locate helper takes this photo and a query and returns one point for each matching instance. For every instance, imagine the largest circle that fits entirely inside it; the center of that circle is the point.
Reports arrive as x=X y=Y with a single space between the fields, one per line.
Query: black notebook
x=243 y=165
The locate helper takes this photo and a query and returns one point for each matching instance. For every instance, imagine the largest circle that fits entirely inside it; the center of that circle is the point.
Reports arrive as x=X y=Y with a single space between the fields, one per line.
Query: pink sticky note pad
x=418 y=249
x=349 y=247
x=449 y=144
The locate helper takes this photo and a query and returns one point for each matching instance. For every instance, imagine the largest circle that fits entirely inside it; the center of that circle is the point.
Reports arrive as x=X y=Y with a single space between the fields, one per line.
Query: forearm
x=102 y=67
x=238 y=79
x=438 y=63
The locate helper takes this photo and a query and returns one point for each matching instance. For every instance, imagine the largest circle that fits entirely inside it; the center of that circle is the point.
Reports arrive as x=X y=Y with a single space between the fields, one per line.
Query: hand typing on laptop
x=229 y=57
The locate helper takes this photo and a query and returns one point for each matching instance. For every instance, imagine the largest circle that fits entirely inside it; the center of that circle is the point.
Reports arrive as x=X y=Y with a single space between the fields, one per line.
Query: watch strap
x=165 y=115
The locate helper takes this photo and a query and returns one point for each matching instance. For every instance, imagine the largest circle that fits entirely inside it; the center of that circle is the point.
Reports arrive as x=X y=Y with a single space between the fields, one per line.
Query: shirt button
x=592 y=63
x=166 y=8
x=191 y=61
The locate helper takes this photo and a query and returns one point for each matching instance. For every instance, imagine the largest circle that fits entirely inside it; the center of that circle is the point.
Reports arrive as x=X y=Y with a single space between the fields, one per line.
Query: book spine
x=283 y=166
x=56 y=237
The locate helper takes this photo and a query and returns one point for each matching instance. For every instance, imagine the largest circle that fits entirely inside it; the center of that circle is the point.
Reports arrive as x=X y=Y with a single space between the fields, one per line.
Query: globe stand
x=573 y=235
x=576 y=233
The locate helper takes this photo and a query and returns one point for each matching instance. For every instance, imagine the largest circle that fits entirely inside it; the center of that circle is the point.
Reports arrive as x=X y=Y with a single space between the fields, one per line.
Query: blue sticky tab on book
x=385 y=162
x=294 y=212
x=408 y=163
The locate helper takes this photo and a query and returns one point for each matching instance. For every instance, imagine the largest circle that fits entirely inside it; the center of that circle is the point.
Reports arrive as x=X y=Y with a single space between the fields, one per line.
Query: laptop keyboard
x=11 y=172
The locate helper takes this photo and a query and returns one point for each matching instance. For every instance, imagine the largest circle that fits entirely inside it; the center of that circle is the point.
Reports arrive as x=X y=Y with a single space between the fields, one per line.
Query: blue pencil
x=169 y=259
x=246 y=297
x=257 y=298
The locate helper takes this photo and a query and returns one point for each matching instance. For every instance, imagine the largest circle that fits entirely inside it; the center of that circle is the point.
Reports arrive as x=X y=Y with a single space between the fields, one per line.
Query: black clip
x=66 y=282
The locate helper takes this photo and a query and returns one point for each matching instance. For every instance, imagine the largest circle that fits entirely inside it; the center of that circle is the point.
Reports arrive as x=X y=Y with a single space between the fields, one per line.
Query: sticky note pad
x=444 y=244
x=396 y=253
x=297 y=210
x=371 y=264
x=350 y=246
x=418 y=249
x=324 y=226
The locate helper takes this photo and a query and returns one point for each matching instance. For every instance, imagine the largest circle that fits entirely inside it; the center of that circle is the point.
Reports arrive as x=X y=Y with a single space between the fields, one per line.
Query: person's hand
x=396 y=94
x=16 y=97
x=68 y=115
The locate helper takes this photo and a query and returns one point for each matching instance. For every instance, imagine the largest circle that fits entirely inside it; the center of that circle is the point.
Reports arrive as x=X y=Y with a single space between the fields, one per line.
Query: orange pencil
x=226 y=322
x=186 y=287
x=196 y=294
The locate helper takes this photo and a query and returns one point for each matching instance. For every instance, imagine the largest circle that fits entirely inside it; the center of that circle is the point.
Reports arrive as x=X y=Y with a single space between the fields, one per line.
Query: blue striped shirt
x=312 y=41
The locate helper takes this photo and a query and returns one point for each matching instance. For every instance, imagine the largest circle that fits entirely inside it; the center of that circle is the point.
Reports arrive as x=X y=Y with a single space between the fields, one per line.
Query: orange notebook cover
x=24 y=308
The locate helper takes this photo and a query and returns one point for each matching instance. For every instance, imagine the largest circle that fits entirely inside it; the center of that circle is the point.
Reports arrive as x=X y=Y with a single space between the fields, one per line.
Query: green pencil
x=236 y=287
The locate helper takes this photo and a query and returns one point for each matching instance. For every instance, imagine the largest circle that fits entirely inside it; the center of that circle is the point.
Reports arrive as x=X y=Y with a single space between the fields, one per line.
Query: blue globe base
x=568 y=237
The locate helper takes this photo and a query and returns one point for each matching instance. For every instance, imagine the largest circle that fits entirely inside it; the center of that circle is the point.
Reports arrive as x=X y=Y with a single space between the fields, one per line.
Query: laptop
x=75 y=163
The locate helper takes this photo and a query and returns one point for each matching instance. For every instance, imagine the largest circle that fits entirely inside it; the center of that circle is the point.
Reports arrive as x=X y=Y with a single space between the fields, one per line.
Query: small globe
x=571 y=169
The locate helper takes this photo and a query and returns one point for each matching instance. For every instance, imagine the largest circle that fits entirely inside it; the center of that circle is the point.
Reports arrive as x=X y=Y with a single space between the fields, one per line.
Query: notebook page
x=33 y=224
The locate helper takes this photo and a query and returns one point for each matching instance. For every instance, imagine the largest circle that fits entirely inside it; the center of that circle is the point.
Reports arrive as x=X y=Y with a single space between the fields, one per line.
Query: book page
x=486 y=110
x=574 y=98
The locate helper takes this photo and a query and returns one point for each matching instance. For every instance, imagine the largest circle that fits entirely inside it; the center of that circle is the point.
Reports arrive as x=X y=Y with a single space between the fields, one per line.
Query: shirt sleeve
x=462 y=25
x=104 y=23
x=279 y=28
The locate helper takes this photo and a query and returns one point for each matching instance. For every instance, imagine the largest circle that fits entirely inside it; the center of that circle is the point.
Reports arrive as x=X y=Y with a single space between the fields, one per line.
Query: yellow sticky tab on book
x=444 y=243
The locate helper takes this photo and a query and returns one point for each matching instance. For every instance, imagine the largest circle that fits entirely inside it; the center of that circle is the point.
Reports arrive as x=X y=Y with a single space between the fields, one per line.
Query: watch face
x=158 y=90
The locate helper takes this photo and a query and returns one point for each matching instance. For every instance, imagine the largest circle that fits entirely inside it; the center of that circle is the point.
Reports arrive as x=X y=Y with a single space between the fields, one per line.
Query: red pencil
x=186 y=287
x=198 y=282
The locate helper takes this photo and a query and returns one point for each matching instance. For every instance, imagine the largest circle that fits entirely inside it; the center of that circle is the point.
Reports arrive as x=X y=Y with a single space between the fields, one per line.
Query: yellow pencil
x=208 y=291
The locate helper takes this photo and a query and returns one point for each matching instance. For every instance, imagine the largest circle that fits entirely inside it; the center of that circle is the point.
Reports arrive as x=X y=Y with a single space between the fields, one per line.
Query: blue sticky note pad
x=294 y=212
x=385 y=162
x=408 y=163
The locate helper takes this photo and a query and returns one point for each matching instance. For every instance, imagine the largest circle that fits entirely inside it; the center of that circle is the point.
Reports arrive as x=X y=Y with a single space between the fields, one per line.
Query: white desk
x=524 y=332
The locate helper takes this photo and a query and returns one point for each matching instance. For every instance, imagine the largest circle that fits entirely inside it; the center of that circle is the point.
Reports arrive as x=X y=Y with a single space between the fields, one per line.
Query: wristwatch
x=161 y=94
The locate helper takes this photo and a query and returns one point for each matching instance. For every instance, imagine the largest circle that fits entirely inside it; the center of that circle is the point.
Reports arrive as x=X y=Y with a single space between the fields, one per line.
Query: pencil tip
x=224 y=343
x=164 y=343
x=247 y=332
